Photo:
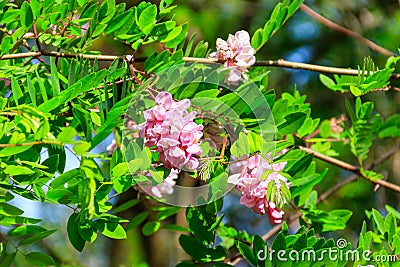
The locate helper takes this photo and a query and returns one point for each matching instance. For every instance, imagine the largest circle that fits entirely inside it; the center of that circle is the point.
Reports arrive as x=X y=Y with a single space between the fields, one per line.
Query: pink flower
x=111 y=147
x=166 y=186
x=275 y=215
x=170 y=130
x=254 y=190
x=238 y=55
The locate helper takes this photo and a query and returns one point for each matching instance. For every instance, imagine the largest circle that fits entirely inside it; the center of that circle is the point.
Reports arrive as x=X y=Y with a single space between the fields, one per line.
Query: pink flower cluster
x=166 y=186
x=238 y=55
x=254 y=190
x=169 y=129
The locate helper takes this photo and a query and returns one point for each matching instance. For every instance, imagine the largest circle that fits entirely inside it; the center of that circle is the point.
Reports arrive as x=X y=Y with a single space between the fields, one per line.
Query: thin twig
x=351 y=168
x=316 y=68
x=265 y=63
x=331 y=160
x=334 y=26
x=43 y=142
x=273 y=231
x=35 y=34
x=63 y=32
x=132 y=69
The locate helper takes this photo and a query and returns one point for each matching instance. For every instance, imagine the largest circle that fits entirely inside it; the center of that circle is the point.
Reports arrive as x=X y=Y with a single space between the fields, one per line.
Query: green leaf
x=201 y=49
x=8 y=209
x=82 y=2
x=165 y=212
x=189 y=45
x=380 y=222
x=122 y=168
x=293 y=122
x=39 y=259
x=13 y=170
x=150 y=227
x=64 y=178
x=12 y=220
x=127 y=205
x=67 y=134
x=148 y=17
x=355 y=90
x=16 y=89
x=51 y=163
x=175 y=228
x=35 y=5
x=81 y=148
x=178 y=38
x=99 y=29
x=390 y=226
x=110 y=229
x=35 y=238
x=26 y=15
x=257 y=38
x=122 y=183
x=87 y=231
x=240 y=146
x=119 y=21
x=325 y=129
x=7 y=44
x=32 y=90
x=83 y=116
x=200 y=222
x=193 y=247
x=138 y=219
x=281 y=13
x=392 y=210
x=300 y=164
x=391 y=127
x=10 y=15
x=247 y=252
x=301 y=242
x=26 y=230
x=55 y=82
x=281 y=17
x=278 y=244
x=328 y=82
x=8 y=259
x=73 y=233
x=260 y=250
x=41 y=87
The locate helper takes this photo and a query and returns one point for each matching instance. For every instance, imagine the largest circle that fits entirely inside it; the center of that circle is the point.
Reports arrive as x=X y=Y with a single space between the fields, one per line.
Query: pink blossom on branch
x=254 y=190
x=170 y=130
x=166 y=186
x=238 y=55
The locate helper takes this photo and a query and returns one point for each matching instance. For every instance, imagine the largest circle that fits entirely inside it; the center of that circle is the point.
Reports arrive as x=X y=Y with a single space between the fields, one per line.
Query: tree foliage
x=59 y=98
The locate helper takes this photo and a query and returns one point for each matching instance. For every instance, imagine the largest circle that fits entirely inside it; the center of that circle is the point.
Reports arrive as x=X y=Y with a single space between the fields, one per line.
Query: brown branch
x=60 y=54
x=351 y=168
x=331 y=160
x=316 y=68
x=336 y=27
x=43 y=142
x=265 y=63
x=133 y=71
x=322 y=197
x=35 y=34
